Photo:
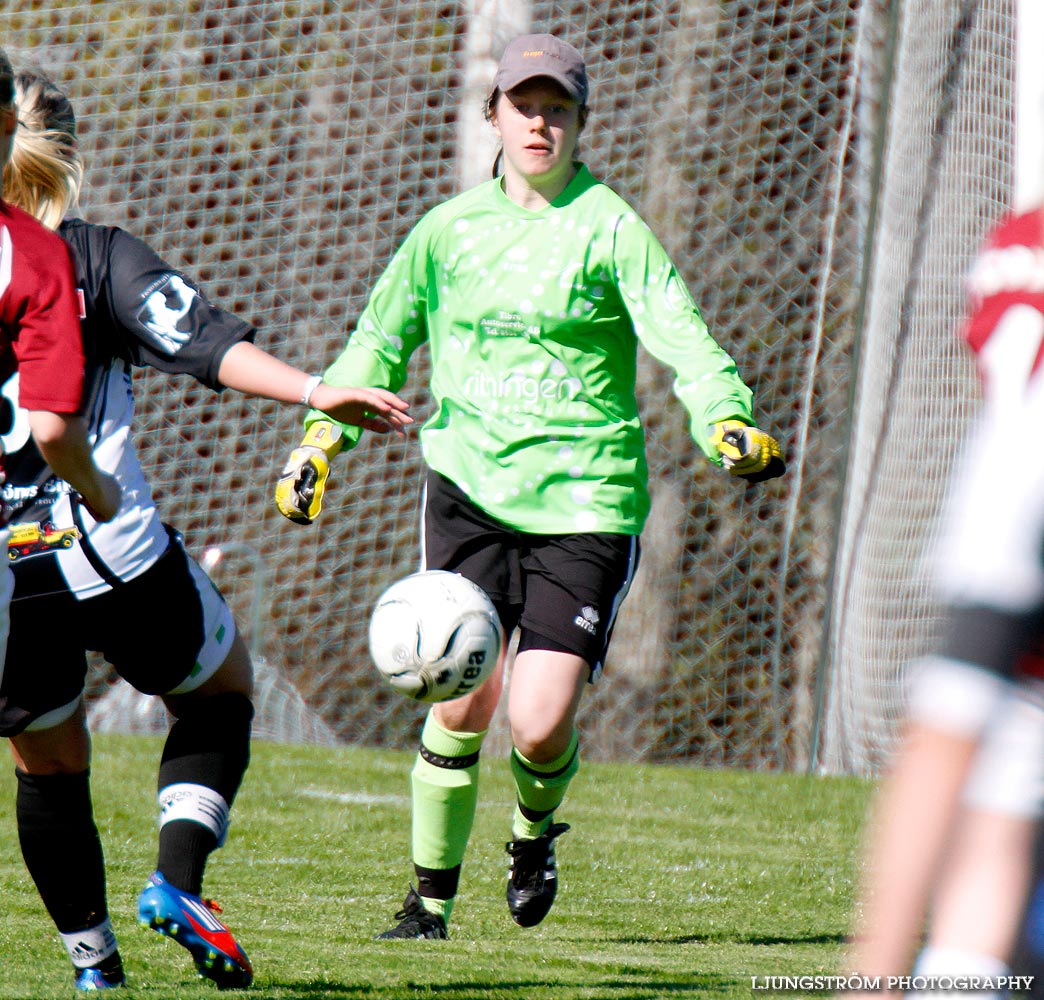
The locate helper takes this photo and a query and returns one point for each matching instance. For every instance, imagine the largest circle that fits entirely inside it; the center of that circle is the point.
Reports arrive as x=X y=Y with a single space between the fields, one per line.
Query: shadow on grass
x=763 y=939
x=612 y=989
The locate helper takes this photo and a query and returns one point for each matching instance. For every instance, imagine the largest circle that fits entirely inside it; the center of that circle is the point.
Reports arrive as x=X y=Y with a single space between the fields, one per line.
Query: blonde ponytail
x=45 y=172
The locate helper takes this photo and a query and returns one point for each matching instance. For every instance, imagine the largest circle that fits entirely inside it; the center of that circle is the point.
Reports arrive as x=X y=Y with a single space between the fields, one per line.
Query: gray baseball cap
x=529 y=56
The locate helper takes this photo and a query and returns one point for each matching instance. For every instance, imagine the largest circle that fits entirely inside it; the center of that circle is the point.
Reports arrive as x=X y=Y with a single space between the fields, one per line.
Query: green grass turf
x=674 y=882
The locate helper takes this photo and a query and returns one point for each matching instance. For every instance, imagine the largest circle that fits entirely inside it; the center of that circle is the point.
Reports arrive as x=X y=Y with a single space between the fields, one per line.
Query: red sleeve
x=1009 y=271
x=40 y=315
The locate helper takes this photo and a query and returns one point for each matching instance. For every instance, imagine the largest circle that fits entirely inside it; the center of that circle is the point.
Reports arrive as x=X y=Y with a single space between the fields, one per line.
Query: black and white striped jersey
x=137 y=310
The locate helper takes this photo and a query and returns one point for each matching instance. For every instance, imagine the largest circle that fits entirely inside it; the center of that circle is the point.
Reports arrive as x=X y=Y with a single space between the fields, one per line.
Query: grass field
x=675 y=882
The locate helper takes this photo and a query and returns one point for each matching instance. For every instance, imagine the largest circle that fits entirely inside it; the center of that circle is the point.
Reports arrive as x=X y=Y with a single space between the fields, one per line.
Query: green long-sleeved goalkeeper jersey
x=533 y=320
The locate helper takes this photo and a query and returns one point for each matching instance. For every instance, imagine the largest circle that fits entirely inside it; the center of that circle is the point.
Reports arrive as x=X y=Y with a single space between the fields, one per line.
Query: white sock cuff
x=939 y=963
x=89 y=947
x=942 y=960
x=197 y=803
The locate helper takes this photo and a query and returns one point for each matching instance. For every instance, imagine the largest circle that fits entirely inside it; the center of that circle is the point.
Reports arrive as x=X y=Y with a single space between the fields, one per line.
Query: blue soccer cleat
x=191 y=922
x=94 y=979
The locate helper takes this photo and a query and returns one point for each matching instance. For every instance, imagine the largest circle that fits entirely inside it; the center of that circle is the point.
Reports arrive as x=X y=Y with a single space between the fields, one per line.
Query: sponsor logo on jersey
x=165 y=305
x=517 y=385
x=53 y=488
x=39 y=538
x=507 y=324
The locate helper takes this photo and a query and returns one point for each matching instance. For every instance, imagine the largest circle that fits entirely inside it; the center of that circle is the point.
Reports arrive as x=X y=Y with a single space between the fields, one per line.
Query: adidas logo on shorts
x=587 y=619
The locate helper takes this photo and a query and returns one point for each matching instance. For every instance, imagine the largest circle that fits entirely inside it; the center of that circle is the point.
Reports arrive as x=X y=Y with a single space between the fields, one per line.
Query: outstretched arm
x=62 y=441
x=248 y=369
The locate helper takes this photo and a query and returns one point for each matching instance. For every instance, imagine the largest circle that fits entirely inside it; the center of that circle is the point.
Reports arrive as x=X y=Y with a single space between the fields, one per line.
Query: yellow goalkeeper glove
x=748 y=452
x=299 y=492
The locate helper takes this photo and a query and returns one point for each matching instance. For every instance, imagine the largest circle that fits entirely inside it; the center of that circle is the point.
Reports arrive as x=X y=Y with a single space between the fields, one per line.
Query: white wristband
x=309 y=387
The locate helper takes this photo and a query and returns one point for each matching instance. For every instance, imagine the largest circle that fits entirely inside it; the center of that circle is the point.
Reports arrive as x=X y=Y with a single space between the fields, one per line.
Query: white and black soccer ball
x=434 y=636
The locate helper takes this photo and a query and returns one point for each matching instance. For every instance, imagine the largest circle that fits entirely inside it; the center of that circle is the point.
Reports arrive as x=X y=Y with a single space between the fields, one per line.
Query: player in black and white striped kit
x=117 y=587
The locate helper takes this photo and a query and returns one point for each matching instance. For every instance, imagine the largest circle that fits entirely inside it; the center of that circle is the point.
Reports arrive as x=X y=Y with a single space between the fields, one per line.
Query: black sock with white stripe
x=205 y=757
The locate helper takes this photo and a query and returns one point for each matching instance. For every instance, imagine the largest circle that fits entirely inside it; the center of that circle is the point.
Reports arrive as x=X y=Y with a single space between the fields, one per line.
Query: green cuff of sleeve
x=350 y=434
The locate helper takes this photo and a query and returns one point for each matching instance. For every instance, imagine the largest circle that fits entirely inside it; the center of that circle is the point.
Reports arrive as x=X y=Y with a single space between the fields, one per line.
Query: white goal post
x=1028 y=181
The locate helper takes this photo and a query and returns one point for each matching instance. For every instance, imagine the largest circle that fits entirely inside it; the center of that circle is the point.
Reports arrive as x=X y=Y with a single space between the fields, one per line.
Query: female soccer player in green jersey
x=532 y=291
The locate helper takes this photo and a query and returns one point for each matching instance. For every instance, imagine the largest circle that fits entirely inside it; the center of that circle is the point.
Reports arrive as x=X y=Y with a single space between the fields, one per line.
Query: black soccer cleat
x=415 y=921
x=533 y=876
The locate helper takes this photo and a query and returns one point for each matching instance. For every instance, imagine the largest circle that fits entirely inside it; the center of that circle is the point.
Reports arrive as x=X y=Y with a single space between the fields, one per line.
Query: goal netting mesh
x=942 y=175
x=280 y=151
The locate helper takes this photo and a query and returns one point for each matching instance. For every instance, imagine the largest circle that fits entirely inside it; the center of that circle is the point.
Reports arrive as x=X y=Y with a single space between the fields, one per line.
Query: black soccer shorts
x=564 y=591
x=166 y=632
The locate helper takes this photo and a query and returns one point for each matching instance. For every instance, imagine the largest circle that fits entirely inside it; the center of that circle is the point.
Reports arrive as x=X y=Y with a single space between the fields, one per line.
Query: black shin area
x=437 y=883
x=61 y=847
x=208 y=745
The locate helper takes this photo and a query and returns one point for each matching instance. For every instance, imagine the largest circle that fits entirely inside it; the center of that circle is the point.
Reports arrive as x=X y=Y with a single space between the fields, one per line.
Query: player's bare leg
x=984 y=887
x=546 y=690
x=907 y=834
x=62 y=749
x=474 y=712
x=981 y=891
x=234 y=676
x=951 y=706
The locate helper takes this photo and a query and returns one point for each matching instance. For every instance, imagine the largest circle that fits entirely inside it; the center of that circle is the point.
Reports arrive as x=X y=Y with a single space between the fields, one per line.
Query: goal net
x=942 y=176
x=281 y=151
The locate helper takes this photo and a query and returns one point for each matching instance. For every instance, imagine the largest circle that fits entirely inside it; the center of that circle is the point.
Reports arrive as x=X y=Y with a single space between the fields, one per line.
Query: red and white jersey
x=39 y=315
x=989 y=550
x=1005 y=327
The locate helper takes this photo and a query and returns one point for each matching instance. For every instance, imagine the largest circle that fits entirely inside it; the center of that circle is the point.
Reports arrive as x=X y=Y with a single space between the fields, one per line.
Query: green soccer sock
x=540 y=789
x=445 y=796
